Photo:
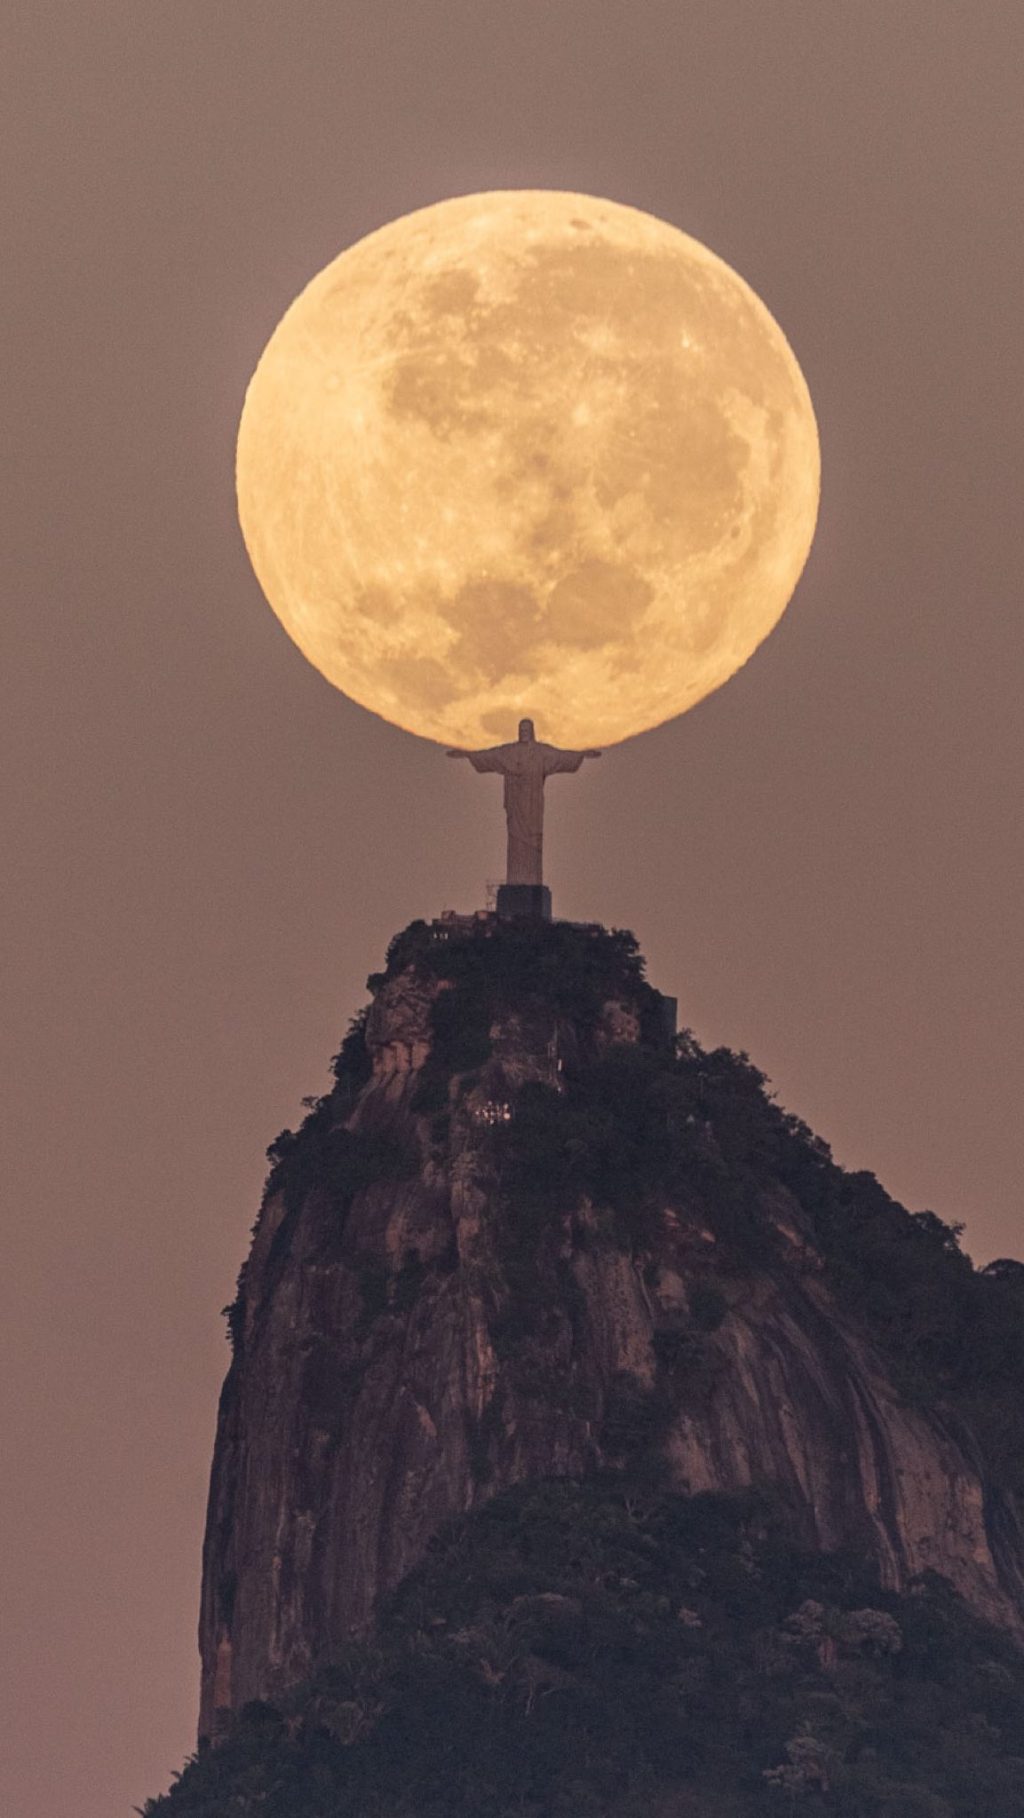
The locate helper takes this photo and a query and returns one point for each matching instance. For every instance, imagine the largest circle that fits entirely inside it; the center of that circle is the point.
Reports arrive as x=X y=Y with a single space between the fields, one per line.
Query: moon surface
x=528 y=453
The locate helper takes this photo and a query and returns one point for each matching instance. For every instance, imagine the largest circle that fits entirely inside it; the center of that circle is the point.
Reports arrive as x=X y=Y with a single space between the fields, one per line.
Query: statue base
x=531 y=902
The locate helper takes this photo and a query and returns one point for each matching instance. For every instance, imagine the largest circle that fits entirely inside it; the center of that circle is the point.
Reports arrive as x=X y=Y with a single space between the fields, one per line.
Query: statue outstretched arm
x=558 y=762
x=493 y=758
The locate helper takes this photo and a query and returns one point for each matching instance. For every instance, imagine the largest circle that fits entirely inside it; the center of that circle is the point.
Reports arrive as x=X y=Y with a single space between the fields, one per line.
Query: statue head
x=526 y=732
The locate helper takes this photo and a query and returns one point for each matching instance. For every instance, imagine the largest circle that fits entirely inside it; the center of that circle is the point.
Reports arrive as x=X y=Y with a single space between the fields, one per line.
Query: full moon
x=528 y=453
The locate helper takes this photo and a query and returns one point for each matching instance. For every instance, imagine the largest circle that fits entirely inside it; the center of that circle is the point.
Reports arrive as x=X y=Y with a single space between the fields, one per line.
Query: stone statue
x=524 y=766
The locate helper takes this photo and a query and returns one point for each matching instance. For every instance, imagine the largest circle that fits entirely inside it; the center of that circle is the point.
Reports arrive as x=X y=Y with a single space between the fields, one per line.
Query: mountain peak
x=531 y=1233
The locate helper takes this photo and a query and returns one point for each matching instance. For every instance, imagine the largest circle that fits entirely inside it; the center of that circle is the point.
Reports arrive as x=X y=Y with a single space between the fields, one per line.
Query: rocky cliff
x=527 y=1235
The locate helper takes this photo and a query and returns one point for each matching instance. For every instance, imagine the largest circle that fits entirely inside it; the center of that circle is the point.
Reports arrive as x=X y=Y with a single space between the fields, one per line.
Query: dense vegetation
x=571 y=970
x=606 y=1648
x=588 y=1649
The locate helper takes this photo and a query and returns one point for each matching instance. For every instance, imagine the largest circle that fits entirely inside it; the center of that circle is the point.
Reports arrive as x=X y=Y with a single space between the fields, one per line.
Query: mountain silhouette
x=593 y=1443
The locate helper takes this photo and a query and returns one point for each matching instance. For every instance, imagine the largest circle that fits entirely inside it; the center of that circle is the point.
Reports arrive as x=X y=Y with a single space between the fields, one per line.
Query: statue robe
x=524 y=766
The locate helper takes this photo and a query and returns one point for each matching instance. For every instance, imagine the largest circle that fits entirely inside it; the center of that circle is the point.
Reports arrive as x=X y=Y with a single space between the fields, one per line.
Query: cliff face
x=511 y=1244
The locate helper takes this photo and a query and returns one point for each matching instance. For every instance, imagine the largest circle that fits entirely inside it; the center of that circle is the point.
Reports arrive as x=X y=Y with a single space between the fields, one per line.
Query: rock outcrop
x=512 y=1243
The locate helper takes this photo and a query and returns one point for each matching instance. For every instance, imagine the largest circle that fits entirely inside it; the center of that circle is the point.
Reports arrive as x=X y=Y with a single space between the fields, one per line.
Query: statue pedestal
x=529 y=901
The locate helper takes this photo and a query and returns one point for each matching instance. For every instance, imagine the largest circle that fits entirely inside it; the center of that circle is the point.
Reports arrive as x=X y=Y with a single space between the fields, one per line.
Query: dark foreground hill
x=527 y=1237
x=596 y=1648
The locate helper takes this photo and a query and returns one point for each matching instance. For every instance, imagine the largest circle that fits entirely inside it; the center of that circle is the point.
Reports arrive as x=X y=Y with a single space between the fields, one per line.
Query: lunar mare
x=528 y=452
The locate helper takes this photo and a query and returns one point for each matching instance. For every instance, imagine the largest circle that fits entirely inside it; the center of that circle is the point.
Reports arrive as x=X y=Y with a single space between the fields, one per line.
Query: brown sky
x=207 y=848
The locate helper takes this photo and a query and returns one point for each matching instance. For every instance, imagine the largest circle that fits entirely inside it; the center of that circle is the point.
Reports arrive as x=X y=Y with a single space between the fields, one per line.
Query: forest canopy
x=588 y=1649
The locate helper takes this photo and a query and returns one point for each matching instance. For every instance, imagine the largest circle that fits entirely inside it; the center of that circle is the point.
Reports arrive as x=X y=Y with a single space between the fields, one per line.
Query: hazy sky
x=207 y=848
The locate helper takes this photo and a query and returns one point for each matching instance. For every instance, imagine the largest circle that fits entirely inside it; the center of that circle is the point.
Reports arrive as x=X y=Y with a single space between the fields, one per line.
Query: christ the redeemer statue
x=524 y=766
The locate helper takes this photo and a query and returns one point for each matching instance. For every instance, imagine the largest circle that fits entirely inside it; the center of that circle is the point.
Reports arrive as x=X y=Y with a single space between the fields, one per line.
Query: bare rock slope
x=526 y=1235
